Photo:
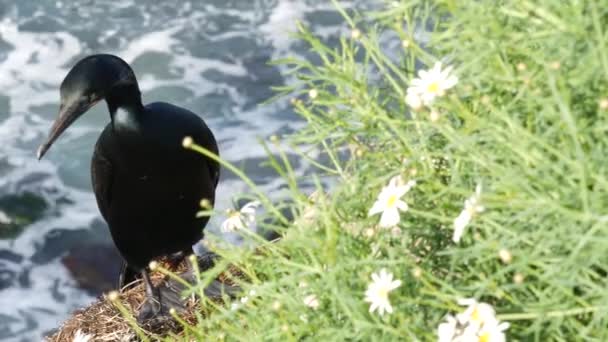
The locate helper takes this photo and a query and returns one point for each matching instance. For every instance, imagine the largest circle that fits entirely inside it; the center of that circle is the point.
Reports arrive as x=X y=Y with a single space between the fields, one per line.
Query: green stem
x=548 y=314
x=263 y=198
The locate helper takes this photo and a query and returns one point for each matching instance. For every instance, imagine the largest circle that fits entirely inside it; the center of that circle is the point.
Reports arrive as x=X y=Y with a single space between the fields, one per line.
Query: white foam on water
x=281 y=23
x=39 y=301
x=36 y=300
x=157 y=41
x=25 y=80
x=14 y=129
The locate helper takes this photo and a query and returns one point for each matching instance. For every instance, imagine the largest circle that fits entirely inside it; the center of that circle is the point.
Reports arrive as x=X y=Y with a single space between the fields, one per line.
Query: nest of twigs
x=104 y=322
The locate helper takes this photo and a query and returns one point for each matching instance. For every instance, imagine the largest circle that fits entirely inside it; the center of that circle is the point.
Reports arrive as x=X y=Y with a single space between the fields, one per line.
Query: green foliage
x=524 y=120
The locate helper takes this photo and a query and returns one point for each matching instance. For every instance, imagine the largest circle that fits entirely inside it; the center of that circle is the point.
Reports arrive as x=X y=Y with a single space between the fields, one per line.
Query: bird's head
x=91 y=80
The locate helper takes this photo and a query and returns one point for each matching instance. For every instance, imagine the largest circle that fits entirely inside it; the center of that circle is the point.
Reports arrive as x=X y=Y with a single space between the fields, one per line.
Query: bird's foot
x=156 y=310
x=153 y=312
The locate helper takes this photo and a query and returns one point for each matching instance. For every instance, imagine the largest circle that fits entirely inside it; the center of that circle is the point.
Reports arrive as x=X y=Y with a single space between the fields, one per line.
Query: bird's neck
x=126 y=109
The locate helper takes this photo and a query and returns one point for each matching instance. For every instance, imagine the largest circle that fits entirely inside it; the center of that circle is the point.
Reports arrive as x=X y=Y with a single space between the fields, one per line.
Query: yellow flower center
x=391 y=200
x=433 y=88
x=383 y=293
x=475 y=316
x=485 y=337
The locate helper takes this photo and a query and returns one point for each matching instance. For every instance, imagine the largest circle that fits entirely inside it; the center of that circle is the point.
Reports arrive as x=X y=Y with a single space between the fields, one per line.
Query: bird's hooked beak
x=68 y=113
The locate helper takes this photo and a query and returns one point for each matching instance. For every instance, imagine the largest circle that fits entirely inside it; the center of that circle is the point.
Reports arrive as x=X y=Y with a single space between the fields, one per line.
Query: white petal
x=428 y=98
x=469 y=334
x=231 y=224
x=248 y=211
x=464 y=317
x=248 y=219
x=238 y=223
x=395 y=284
x=478 y=189
x=457 y=234
x=250 y=207
x=389 y=218
x=486 y=311
x=437 y=67
x=402 y=205
x=376 y=278
x=466 y=301
x=388 y=276
x=227 y=226
x=416 y=84
x=504 y=326
x=446 y=330
x=450 y=82
x=401 y=190
x=252 y=204
x=378 y=207
x=413 y=100
x=460 y=224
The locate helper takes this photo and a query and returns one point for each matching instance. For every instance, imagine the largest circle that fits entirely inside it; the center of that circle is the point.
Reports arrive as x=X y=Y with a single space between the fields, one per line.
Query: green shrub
x=527 y=120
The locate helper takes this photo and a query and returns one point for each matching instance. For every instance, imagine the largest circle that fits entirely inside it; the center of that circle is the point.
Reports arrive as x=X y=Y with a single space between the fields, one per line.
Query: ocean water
x=208 y=56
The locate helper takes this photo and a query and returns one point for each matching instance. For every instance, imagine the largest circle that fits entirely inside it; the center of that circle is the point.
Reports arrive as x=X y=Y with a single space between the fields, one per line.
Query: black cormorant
x=148 y=187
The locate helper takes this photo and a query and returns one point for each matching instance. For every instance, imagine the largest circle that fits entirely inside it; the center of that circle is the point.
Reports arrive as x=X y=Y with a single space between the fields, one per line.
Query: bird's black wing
x=102 y=178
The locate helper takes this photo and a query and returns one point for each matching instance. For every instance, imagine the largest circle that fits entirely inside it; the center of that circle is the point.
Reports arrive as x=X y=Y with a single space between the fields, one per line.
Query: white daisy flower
x=389 y=203
x=472 y=207
x=377 y=292
x=467 y=333
x=240 y=219
x=432 y=83
x=493 y=331
x=413 y=100
x=476 y=314
x=79 y=336
x=447 y=330
x=311 y=301
x=478 y=323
